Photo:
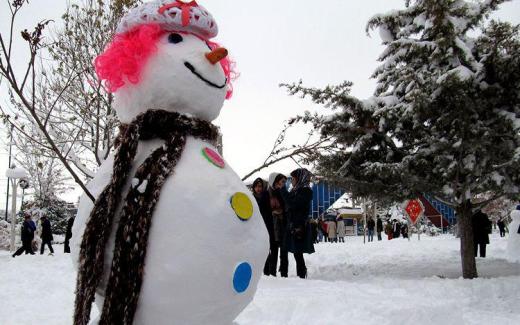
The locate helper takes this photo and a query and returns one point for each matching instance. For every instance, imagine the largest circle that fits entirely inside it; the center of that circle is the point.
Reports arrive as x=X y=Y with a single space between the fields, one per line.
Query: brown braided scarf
x=126 y=275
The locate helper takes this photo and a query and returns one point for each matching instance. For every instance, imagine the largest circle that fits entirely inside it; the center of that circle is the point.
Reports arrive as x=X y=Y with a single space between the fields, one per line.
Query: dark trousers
x=48 y=243
x=284 y=262
x=482 y=249
x=26 y=246
x=272 y=258
x=66 y=246
x=379 y=235
x=502 y=232
x=301 y=269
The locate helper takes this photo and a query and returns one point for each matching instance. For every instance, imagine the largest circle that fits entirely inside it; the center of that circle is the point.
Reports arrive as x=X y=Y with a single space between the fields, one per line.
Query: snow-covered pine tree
x=444 y=119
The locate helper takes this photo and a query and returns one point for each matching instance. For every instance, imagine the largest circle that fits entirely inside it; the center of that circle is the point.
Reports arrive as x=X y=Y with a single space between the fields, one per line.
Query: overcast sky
x=321 y=42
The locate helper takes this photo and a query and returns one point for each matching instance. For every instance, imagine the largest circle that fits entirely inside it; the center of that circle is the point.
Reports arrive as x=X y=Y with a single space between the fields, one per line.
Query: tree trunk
x=467 y=250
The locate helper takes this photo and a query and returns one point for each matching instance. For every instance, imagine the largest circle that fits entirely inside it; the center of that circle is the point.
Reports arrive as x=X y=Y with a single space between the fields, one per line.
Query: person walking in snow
x=501 y=227
x=262 y=199
x=340 y=229
x=324 y=229
x=379 y=228
x=396 y=229
x=481 y=231
x=298 y=203
x=279 y=216
x=27 y=234
x=404 y=230
x=46 y=235
x=331 y=229
x=389 y=229
x=370 y=226
x=68 y=235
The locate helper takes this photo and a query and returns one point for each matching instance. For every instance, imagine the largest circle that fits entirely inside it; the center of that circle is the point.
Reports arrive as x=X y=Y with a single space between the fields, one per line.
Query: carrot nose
x=216 y=55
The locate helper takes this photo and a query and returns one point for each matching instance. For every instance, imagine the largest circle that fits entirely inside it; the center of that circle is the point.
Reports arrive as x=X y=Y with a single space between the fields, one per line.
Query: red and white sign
x=414 y=208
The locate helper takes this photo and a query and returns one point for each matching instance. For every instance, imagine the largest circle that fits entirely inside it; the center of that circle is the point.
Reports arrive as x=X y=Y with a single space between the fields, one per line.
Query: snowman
x=513 y=243
x=174 y=236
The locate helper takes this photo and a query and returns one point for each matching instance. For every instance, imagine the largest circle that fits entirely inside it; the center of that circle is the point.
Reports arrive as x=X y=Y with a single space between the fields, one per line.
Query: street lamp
x=14 y=174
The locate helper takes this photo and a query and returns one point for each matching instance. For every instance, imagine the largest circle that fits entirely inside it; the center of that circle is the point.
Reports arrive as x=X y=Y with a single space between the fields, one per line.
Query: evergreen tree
x=444 y=118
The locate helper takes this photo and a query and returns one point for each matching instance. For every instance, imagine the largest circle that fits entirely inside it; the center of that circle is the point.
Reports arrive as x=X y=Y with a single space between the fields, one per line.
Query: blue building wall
x=447 y=211
x=323 y=196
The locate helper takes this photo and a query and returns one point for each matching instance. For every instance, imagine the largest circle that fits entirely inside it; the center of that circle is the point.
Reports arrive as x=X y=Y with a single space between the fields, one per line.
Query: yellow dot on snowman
x=242 y=206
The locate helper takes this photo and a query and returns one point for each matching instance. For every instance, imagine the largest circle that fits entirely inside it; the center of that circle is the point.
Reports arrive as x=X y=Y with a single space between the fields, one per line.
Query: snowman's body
x=198 y=241
x=513 y=242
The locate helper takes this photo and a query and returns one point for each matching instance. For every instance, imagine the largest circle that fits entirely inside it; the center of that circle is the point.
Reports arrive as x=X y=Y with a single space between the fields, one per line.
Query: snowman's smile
x=194 y=71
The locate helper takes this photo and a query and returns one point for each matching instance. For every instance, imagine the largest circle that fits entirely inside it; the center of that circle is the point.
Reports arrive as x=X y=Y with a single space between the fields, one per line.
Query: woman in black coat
x=298 y=204
x=46 y=235
x=481 y=231
x=262 y=199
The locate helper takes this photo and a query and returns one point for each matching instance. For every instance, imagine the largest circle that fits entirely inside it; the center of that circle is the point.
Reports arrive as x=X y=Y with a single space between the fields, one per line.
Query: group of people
x=286 y=217
x=395 y=228
x=28 y=232
x=331 y=231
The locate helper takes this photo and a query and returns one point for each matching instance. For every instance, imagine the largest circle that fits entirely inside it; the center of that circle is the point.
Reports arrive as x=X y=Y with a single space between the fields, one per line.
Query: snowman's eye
x=174 y=38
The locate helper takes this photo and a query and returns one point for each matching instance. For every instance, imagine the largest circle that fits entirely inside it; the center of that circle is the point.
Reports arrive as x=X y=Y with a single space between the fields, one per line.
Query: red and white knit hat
x=174 y=15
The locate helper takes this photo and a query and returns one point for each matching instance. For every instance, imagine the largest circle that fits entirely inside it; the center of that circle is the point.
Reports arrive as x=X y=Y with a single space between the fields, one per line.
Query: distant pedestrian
x=28 y=229
x=331 y=228
x=389 y=230
x=340 y=229
x=68 y=235
x=396 y=229
x=324 y=229
x=404 y=230
x=46 y=235
x=481 y=231
x=371 y=226
x=379 y=228
x=501 y=227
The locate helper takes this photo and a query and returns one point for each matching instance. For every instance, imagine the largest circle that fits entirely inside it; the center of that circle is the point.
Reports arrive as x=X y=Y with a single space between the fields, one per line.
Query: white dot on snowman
x=195 y=272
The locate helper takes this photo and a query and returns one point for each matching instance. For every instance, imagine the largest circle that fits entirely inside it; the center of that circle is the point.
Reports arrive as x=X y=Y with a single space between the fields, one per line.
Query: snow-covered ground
x=387 y=282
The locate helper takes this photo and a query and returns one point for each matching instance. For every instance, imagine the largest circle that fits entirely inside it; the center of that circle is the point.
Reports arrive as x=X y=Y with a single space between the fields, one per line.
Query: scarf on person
x=304 y=178
x=126 y=274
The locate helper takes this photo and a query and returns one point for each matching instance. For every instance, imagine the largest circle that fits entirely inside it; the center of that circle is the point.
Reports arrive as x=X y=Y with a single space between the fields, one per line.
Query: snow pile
x=15 y=173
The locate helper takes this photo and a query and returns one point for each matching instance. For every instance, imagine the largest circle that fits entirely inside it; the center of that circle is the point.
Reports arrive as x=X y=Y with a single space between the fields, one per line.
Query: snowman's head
x=167 y=65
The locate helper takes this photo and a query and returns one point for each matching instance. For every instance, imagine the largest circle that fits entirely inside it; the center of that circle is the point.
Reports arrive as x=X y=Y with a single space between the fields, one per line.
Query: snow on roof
x=16 y=172
x=355 y=211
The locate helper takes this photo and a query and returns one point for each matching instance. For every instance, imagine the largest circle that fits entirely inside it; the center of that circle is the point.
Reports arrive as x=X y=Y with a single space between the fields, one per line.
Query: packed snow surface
x=387 y=282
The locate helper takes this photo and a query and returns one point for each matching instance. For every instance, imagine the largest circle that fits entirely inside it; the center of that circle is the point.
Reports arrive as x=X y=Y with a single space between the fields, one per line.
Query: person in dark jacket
x=502 y=227
x=68 y=235
x=481 y=231
x=379 y=227
x=46 y=235
x=370 y=226
x=262 y=199
x=298 y=203
x=279 y=217
x=396 y=229
x=404 y=230
x=28 y=229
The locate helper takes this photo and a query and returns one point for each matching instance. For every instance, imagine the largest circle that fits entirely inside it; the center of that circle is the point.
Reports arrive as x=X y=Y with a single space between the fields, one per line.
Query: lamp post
x=13 y=174
x=10 y=151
